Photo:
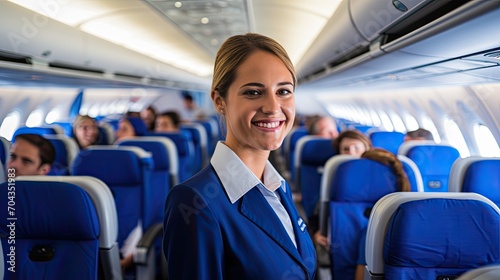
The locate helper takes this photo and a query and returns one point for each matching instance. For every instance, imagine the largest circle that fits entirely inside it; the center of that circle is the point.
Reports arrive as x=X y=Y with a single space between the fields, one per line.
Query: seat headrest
x=113 y=166
x=362 y=180
x=483 y=177
x=316 y=151
x=51 y=210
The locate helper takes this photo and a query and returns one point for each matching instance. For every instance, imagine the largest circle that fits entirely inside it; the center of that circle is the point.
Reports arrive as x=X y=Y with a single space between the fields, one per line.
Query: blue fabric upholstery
x=388 y=140
x=61 y=163
x=185 y=149
x=4 y=150
x=312 y=154
x=483 y=177
x=356 y=186
x=440 y=237
x=161 y=180
x=291 y=142
x=434 y=163
x=128 y=177
x=197 y=151
x=57 y=216
x=35 y=130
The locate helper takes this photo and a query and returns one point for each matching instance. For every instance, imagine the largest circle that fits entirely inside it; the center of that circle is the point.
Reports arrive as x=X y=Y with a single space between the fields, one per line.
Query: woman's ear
x=217 y=99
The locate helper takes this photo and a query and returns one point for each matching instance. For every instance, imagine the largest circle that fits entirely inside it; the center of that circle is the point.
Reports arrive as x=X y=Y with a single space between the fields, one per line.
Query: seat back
x=212 y=129
x=350 y=187
x=199 y=136
x=106 y=134
x=388 y=140
x=126 y=171
x=477 y=174
x=431 y=235
x=165 y=173
x=4 y=150
x=185 y=149
x=433 y=160
x=66 y=150
x=64 y=227
x=289 y=145
x=311 y=154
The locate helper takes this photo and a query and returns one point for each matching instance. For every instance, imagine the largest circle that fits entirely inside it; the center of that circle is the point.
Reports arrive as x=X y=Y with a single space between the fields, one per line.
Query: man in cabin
x=323 y=126
x=30 y=154
x=419 y=134
x=192 y=111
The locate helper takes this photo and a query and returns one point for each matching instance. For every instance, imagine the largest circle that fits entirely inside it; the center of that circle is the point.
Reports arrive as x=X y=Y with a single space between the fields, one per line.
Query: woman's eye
x=252 y=92
x=284 y=92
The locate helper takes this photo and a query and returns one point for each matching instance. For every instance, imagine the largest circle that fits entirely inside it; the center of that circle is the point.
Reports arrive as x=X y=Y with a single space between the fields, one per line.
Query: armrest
x=146 y=243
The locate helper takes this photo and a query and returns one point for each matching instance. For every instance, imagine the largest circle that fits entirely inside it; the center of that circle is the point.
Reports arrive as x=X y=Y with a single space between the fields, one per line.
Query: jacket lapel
x=255 y=207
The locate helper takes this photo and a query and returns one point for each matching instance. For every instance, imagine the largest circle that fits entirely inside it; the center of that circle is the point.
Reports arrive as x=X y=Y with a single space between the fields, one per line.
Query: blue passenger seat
x=165 y=173
x=388 y=140
x=4 y=150
x=350 y=187
x=66 y=150
x=433 y=160
x=199 y=135
x=40 y=130
x=127 y=172
x=185 y=149
x=65 y=228
x=477 y=174
x=311 y=154
x=431 y=235
x=289 y=144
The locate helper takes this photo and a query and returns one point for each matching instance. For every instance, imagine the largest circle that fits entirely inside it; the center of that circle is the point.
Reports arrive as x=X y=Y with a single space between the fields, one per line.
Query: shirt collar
x=235 y=176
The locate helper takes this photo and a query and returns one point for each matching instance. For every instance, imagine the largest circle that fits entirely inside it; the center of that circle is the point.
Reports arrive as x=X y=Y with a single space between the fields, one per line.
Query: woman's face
x=125 y=130
x=86 y=132
x=259 y=107
x=351 y=146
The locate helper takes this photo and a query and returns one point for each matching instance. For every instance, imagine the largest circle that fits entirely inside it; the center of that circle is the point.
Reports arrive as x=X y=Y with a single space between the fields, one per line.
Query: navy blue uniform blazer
x=207 y=237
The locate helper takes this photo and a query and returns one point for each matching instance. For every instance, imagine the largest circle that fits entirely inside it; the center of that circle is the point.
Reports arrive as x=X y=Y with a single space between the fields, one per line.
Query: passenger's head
x=85 y=131
x=188 y=101
x=168 y=122
x=323 y=126
x=389 y=159
x=148 y=116
x=419 y=134
x=252 y=87
x=31 y=154
x=130 y=127
x=352 y=142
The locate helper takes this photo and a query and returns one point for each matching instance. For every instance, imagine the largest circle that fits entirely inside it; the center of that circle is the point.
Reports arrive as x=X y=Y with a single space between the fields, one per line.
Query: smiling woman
x=236 y=218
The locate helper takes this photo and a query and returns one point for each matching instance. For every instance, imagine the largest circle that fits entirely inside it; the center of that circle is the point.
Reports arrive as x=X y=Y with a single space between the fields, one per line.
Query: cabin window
x=375 y=118
x=428 y=124
x=398 y=122
x=35 y=118
x=455 y=137
x=411 y=122
x=10 y=124
x=52 y=116
x=486 y=143
x=386 y=121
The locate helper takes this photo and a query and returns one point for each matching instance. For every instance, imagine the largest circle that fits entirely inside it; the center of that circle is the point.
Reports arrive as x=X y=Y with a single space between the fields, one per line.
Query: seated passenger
x=129 y=127
x=30 y=154
x=419 y=134
x=168 y=122
x=323 y=126
x=85 y=131
x=148 y=116
x=352 y=142
x=403 y=184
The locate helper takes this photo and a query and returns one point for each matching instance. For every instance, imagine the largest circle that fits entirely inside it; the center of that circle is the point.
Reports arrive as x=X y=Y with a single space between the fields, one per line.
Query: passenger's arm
x=192 y=240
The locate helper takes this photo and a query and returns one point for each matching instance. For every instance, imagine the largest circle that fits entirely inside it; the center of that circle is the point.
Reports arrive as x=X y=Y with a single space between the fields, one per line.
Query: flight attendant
x=236 y=218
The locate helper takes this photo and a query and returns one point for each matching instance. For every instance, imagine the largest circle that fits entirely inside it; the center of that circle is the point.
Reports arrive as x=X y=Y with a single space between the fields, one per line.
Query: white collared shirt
x=237 y=180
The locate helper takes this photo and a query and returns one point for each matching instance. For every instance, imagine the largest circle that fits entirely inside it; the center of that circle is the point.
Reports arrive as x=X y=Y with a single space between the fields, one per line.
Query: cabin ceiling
x=173 y=43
